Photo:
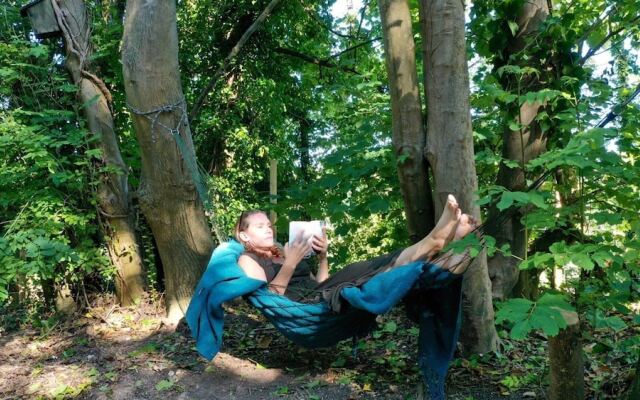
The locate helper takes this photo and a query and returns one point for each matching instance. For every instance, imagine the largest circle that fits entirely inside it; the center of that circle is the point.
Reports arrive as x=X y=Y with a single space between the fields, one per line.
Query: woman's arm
x=292 y=256
x=251 y=268
x=321 y=246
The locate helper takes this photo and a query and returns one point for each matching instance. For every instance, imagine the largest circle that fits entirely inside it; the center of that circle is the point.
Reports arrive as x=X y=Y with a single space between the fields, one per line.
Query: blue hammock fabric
x=316 y=325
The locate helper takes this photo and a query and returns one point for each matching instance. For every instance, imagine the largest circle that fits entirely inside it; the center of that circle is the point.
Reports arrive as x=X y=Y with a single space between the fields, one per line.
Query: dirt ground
x=114 y=353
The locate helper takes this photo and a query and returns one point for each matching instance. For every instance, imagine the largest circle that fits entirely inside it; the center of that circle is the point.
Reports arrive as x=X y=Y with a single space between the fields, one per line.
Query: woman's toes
x=464 y=226
x=452 y=203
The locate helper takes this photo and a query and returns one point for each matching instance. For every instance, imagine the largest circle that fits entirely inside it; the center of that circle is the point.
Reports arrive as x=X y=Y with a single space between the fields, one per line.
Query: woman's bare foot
x=457 y=263
x=466 y=225
x=445 y=229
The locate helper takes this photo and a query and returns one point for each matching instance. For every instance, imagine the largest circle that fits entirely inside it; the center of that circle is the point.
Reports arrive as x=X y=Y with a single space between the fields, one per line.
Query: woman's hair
x=242 y=225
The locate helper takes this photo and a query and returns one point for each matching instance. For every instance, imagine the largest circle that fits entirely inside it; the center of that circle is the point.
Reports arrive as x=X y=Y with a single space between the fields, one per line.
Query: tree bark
x=167 y=192
x=521 y=146
x=407 y=125
x=634 y=390
x=114 y=205
x=450 y=151
x=565 y=361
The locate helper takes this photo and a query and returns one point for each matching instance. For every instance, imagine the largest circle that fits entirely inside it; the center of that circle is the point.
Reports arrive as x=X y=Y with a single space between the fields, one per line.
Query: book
x=308 y=230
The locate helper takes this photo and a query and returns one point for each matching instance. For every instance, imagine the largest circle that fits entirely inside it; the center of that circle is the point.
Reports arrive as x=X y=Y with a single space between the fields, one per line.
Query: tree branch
x=593 y=50
x=612 y=114
x=338 y=54
x=314 y=60
x=313 y=15
x=232 y=54
x=593 y=27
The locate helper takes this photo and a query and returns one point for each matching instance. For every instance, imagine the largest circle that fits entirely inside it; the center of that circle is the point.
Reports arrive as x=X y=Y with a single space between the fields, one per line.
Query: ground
x=109 y=352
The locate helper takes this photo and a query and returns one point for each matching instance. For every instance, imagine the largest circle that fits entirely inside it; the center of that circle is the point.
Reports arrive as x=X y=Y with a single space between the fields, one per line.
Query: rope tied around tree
x=188 y=154
x=154 y=114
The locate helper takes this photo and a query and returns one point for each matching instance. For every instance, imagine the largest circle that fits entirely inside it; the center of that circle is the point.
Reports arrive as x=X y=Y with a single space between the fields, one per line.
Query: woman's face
x=258 y=232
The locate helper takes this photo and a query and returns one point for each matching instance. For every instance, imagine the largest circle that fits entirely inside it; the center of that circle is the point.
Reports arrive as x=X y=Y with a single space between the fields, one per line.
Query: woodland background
x=369 y=115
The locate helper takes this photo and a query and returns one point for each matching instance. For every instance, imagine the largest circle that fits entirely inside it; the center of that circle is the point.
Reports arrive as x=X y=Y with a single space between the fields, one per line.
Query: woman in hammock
x=287 y=273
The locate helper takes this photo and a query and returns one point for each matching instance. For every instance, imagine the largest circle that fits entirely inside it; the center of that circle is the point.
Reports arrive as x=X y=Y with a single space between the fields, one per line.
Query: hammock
x=317 y=325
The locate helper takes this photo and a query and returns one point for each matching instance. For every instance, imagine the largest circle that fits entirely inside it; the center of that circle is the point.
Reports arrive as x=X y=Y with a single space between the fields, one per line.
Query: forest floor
x=109 y=352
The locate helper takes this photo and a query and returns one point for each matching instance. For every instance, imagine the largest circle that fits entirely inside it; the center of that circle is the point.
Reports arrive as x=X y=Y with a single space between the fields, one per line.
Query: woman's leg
x=453 y=225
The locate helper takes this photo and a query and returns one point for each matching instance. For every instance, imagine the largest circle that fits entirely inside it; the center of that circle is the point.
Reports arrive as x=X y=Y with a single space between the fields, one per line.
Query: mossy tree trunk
x=114 y=205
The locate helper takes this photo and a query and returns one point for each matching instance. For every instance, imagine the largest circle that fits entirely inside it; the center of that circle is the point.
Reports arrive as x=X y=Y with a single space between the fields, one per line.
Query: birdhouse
x=42 y=17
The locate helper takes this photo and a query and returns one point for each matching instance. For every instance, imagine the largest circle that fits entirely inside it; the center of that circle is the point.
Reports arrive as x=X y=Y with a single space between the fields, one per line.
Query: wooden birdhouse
x=42 y=17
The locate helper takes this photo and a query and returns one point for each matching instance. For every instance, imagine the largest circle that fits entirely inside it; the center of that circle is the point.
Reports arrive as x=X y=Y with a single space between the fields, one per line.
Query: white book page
x=307 y=228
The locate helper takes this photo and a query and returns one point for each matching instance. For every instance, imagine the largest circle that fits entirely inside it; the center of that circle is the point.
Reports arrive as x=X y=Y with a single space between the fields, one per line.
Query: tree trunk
x=634 y=390
x=450 y=151
x=407 y=125
x=114 y=206
x=167 y=192
x=521 y=146
x=565 y=361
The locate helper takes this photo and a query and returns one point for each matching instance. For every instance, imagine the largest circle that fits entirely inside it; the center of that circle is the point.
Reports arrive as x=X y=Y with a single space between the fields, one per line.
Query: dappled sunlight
x=131 y=352
x=244 y=369
x=55 y=381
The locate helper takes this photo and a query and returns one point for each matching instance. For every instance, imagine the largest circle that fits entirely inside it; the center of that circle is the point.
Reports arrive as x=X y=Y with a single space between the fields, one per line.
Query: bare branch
x=338 y=54
x=314 y=60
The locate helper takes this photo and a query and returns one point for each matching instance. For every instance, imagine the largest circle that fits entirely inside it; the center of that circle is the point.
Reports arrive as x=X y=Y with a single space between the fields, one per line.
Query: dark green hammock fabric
x=317 y=325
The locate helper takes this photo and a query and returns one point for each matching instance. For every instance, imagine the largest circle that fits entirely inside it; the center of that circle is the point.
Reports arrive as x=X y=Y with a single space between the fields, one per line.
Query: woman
x=288 y=274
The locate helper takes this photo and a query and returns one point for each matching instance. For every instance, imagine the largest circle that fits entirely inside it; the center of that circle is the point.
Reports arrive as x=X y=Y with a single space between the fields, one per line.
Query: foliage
x=582 y=222
x=46 y=174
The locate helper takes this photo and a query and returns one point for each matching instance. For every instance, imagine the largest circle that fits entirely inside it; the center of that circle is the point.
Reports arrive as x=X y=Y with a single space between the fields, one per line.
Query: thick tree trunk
x=407 y=125
x=450 y=151
x=113 y=196
x=167 y=191
x=565 y=361
x=521 y=146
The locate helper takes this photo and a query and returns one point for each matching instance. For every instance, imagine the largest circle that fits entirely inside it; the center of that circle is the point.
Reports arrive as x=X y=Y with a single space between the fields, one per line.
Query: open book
x=307 y=228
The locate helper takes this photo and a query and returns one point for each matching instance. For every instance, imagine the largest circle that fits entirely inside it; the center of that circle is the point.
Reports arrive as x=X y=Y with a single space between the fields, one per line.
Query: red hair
x=242 y=224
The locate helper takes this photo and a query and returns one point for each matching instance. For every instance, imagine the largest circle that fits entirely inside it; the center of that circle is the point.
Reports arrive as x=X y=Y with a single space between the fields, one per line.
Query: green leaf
x=596 y=37
x=505 y=201
x=616 y=323
x=583 y=261
x=540 y=320
x=39 y=51
x=515 y=126
x=520 y=330
x=513 y=26
x=390 y=327
x=513 y=310
x=6 y=73
x=164 y=385
x=554 y=300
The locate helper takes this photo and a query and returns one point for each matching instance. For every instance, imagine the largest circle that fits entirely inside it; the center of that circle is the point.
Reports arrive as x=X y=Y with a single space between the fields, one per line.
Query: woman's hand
x=295 y=252
x=320 y=244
